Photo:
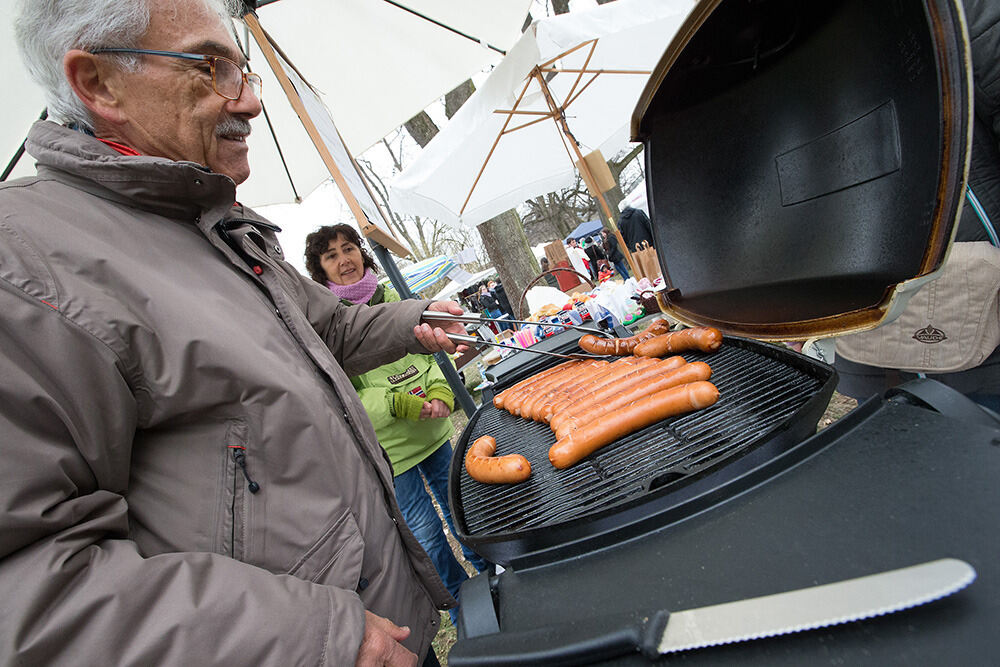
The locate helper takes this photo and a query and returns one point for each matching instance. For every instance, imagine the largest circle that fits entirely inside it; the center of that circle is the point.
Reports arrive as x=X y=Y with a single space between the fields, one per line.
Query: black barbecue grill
x=768 y=394
x=805 y=167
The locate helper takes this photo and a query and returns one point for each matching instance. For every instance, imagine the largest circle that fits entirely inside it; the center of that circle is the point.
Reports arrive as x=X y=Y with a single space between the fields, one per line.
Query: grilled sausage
x=601 y=394
x=647 y=411
x=483 y=467
x=609 y=407
x=535 y=401
x=616 y=371
x=498 y=400
x=514 y=402
x=703 y=339
x=622 y=346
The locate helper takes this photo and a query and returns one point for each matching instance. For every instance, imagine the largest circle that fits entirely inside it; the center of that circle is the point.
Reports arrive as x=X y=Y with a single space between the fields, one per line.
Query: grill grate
x=760 y=390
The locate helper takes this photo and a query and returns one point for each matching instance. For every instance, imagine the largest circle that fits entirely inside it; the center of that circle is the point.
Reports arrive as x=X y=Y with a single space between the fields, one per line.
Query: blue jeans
x=622 y=268
x=418 y=510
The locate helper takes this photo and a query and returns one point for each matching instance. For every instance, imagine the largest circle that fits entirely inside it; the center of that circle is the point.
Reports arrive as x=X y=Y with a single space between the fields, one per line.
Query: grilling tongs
x=475 y=340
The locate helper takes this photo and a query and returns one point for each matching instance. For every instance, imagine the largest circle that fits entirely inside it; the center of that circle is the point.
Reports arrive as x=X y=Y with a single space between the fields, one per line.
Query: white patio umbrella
x=377 y=62
x=509 y=143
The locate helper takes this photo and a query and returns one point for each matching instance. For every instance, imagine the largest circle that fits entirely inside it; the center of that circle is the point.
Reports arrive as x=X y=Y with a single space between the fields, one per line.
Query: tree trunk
x=507 y=246
x=421 y=128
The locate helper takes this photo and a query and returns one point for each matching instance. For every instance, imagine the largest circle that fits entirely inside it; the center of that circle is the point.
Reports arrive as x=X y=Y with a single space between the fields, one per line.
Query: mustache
x=232 y=126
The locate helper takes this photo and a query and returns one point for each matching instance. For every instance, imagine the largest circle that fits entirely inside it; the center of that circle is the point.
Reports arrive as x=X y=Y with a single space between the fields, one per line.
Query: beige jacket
x=143 y=360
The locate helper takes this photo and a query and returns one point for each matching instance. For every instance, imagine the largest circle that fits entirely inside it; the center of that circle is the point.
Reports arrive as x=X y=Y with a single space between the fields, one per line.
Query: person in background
x=550 y=279
x=188 y=476
x=408 y=401
x=614 y=253
x=596 y=256
x=578 y=258
x=491 y=306
x=633 y=223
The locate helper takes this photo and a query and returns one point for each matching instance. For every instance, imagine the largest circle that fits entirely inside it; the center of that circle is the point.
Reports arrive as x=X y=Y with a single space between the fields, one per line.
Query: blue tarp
x=585 y=229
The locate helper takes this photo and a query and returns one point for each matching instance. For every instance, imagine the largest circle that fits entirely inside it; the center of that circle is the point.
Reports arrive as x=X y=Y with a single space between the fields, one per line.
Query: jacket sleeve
x=362 y=337
x=76 y=589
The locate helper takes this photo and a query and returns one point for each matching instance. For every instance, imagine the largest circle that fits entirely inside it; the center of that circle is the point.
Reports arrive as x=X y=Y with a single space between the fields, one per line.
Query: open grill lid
x=806 y=161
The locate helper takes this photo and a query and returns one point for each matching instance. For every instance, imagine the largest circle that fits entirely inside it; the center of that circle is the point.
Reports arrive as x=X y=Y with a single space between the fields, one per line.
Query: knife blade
x=598 y=638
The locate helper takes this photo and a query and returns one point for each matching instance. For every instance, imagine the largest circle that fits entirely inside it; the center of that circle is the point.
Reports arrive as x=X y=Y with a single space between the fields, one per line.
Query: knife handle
x=573 y=643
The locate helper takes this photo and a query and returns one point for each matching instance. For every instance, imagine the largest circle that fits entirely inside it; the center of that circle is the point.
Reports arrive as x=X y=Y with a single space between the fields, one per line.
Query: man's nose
x=247 y=104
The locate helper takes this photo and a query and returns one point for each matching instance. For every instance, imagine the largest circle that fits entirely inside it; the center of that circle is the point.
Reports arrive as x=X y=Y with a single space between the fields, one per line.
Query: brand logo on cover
x=929 y=335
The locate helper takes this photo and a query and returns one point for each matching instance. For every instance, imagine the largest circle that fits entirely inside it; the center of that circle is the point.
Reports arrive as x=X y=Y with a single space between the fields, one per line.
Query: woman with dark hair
x=408 y=401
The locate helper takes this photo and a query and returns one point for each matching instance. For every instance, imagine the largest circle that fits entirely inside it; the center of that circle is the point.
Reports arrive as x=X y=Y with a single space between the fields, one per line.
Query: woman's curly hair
x=318 y=242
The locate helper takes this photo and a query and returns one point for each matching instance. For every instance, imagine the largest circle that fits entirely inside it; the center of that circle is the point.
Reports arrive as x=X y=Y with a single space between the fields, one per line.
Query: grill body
x=770 y=399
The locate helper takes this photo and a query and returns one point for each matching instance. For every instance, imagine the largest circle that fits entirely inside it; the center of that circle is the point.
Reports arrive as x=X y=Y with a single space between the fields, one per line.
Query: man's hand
x=433 y=338
x=381 y=646
x=434 y=409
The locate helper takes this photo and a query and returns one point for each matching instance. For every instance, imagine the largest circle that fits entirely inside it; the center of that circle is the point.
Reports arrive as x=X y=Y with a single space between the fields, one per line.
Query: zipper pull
x=240 y=456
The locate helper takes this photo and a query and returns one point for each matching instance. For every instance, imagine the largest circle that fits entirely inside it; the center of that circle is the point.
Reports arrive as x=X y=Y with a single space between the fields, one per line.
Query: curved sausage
x=599 y=395
x=538 y=397
x=498 y=400
x=703 y=339
x=645 y=412
x=483 y=467
x=616 y=371
x=607 y=409
x=622 y=346
x=514 y=402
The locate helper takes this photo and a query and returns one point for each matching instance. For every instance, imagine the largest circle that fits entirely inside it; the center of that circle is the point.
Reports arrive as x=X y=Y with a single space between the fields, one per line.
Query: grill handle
x=576 y=642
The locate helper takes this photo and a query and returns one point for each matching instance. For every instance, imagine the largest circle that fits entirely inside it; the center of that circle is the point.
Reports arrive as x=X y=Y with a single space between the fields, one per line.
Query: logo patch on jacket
x=929 y=335
x=417 y=391
x=405 y=375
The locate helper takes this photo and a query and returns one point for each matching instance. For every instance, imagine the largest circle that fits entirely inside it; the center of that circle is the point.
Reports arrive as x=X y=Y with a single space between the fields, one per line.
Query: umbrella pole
x=588 y=177
x=462 y=394
x=20 y=151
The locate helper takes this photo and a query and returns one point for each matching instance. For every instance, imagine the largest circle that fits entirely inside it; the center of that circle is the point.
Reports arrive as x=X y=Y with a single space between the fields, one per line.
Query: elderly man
x=187 y=474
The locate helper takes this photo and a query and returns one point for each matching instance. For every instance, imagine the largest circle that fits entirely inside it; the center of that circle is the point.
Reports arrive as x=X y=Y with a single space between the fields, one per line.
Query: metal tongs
x=478 y=319
x=476 y=340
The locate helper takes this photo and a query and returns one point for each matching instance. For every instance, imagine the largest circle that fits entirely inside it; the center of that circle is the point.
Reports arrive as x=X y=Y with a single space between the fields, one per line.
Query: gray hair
x=46 y=29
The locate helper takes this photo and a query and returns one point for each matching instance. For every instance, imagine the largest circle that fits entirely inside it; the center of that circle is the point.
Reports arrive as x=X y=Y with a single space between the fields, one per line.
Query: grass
x=838 y=407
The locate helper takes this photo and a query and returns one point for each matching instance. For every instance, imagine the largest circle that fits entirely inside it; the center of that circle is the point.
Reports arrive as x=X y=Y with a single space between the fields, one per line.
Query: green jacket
x=383 y=392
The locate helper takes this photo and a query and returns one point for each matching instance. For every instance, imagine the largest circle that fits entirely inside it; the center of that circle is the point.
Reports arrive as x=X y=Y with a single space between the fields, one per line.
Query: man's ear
x=96 y=83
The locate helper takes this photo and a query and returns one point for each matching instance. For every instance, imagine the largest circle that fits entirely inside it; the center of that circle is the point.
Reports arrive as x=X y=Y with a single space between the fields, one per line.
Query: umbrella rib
x=566 y=53
x=579 y=76
x=494 y=146
x=580 y=92
x=529 y=123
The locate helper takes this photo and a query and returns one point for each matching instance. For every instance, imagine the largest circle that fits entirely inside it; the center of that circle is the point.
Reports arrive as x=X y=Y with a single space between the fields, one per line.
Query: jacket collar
x=174 y=189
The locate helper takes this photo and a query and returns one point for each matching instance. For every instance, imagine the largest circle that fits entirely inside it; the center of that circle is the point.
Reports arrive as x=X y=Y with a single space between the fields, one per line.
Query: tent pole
x=462 y=394
x=588 y=176
x=20 y=151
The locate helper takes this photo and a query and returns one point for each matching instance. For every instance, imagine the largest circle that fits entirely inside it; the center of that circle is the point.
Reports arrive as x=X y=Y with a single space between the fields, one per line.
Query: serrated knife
x=593 y=639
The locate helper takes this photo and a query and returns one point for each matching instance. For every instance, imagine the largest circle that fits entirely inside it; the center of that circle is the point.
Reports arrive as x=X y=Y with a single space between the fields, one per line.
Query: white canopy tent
x=377 y=63
x=505 y=144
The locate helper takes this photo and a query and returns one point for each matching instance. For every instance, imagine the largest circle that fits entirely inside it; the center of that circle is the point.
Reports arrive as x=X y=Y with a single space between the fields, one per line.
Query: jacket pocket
x=335 y=558
x=238 y=488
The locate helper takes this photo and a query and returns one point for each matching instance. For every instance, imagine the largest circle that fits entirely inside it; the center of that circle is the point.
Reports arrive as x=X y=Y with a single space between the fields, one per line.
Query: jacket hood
x=158 y=185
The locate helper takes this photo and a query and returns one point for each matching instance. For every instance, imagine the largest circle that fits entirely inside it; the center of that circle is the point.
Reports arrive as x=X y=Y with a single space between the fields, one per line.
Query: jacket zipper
x=240 y=457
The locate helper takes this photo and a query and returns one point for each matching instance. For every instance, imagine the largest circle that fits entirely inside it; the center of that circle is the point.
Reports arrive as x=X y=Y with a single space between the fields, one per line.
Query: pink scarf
x=359 y=292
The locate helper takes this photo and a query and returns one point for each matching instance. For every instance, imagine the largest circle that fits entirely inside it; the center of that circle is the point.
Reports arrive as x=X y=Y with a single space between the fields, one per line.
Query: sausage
x=600 y=394
x=483 y=467
x=533 y=402
x=608 y=408
x=498 y=400
x=647 y=411
x=622 y=346
x=623 y=367
x=703 y=339
x=513 y=403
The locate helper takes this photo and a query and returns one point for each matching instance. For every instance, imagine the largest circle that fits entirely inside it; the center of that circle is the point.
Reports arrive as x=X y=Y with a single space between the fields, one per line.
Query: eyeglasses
x=227 y=76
